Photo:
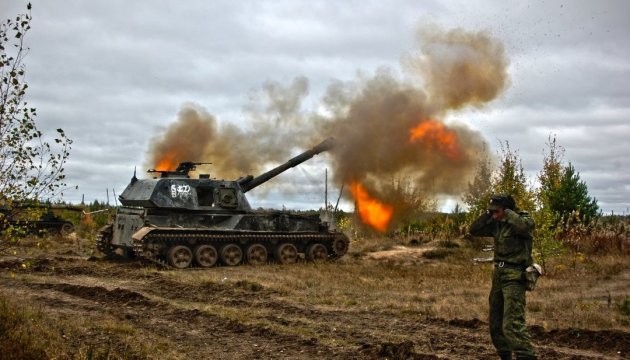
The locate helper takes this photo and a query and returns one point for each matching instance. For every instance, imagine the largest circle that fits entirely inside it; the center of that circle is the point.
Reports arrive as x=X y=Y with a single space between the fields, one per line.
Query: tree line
x=561 y=205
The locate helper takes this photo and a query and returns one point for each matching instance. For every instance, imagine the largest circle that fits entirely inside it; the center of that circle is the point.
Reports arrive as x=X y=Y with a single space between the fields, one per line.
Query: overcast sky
x=113 y=73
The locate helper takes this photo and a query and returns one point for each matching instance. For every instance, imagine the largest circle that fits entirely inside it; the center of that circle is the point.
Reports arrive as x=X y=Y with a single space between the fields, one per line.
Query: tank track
x=152 y=246
x=103 y=240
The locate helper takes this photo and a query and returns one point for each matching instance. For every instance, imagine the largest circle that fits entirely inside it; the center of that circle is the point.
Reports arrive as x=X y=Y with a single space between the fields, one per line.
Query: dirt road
x=134 y=311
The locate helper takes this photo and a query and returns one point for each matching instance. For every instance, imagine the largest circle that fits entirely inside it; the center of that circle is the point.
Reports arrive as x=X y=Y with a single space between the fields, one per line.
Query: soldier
x=512 y=232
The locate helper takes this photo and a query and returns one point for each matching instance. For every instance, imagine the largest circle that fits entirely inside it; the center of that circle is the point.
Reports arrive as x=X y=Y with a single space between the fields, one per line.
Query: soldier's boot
x=505 y=355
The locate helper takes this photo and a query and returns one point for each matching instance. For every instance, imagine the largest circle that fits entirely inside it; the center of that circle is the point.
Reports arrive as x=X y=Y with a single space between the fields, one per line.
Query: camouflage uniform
x=513 y=253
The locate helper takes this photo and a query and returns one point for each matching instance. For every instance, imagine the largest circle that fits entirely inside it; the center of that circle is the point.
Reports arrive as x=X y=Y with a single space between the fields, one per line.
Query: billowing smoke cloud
x=391 y=130
x=388 y=130
x=183 y=140
x=376 y=139
x=235 y=151
x=461 y=68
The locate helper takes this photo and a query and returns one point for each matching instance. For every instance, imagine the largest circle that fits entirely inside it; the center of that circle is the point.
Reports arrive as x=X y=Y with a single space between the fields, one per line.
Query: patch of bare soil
x=244 y=320
x=400 y=253
x=600 y=340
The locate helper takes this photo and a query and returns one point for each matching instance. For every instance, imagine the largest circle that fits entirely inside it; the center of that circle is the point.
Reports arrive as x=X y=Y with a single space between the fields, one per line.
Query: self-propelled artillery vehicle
x=183 y=222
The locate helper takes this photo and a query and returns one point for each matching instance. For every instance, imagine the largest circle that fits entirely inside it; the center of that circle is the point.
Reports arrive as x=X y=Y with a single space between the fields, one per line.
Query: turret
x=247 y=183
x=176 y=190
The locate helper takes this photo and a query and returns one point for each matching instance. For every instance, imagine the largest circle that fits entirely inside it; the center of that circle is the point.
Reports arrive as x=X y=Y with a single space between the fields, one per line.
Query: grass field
x=384 y=299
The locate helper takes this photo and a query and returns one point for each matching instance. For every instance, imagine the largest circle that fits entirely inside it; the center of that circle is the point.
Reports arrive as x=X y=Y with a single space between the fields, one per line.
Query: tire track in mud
x=329 y=326
x=357 y=327
x=194 y=329
x=149 y=305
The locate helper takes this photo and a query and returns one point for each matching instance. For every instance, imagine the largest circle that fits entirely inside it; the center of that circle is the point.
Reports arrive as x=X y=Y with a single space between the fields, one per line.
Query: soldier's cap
x=501 y=201
x=494 y=206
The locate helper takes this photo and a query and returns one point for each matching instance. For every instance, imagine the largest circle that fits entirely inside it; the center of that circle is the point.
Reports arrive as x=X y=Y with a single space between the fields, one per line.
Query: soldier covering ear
x=512 y=232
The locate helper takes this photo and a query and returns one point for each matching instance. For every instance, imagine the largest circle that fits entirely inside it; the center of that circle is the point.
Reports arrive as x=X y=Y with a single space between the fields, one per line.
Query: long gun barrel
x=248 y=183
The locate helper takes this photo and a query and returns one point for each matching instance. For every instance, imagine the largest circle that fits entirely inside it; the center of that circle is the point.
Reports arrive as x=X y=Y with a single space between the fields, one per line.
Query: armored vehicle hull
x=56 y=226
x=182 y=222
x=47 y=223
x=255 y=239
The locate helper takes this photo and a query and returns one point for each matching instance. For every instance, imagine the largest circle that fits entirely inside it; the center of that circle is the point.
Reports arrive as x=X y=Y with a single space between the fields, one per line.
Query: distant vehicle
x=48 y=223
x=182 y=222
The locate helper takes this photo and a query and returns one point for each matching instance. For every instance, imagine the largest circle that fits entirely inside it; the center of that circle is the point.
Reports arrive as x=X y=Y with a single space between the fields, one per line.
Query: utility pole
x=339 y=198
x=326 y=191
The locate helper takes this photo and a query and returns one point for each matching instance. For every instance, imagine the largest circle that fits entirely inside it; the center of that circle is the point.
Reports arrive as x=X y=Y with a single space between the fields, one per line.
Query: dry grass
x=21 y=332
x=30 y=333
x=584 y=291
x=606 y=235
x=587 y=296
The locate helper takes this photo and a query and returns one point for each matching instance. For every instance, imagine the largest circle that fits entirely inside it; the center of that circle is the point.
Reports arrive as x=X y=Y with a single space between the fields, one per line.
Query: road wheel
x=286 y=254
x=179 y=256
x=257 y=254
x=66 y=229
x=340 y=246
x=206 y=255
x=316 y=253
x=231 y=254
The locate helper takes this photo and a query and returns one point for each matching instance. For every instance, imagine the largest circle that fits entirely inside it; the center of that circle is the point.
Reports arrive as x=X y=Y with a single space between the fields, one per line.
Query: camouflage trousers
x=507 y=315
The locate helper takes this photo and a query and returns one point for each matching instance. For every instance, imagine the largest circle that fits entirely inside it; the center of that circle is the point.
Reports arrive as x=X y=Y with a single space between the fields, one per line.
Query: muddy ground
x=128 y=309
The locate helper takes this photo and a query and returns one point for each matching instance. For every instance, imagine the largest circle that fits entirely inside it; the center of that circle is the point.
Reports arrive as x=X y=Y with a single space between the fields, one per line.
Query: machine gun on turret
x=182 y=169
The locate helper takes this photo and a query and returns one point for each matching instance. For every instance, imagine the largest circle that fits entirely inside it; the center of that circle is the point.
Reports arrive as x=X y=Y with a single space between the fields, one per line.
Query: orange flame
x=372 y=212
x=168 y=161
x=435 y=135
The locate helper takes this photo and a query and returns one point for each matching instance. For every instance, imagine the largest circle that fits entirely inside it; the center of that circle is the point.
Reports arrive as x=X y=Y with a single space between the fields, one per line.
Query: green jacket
x=513 y=240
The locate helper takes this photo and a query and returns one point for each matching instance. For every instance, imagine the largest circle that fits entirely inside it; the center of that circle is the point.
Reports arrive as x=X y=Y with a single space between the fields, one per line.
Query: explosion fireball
x=437 y=136
x=372 y=212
